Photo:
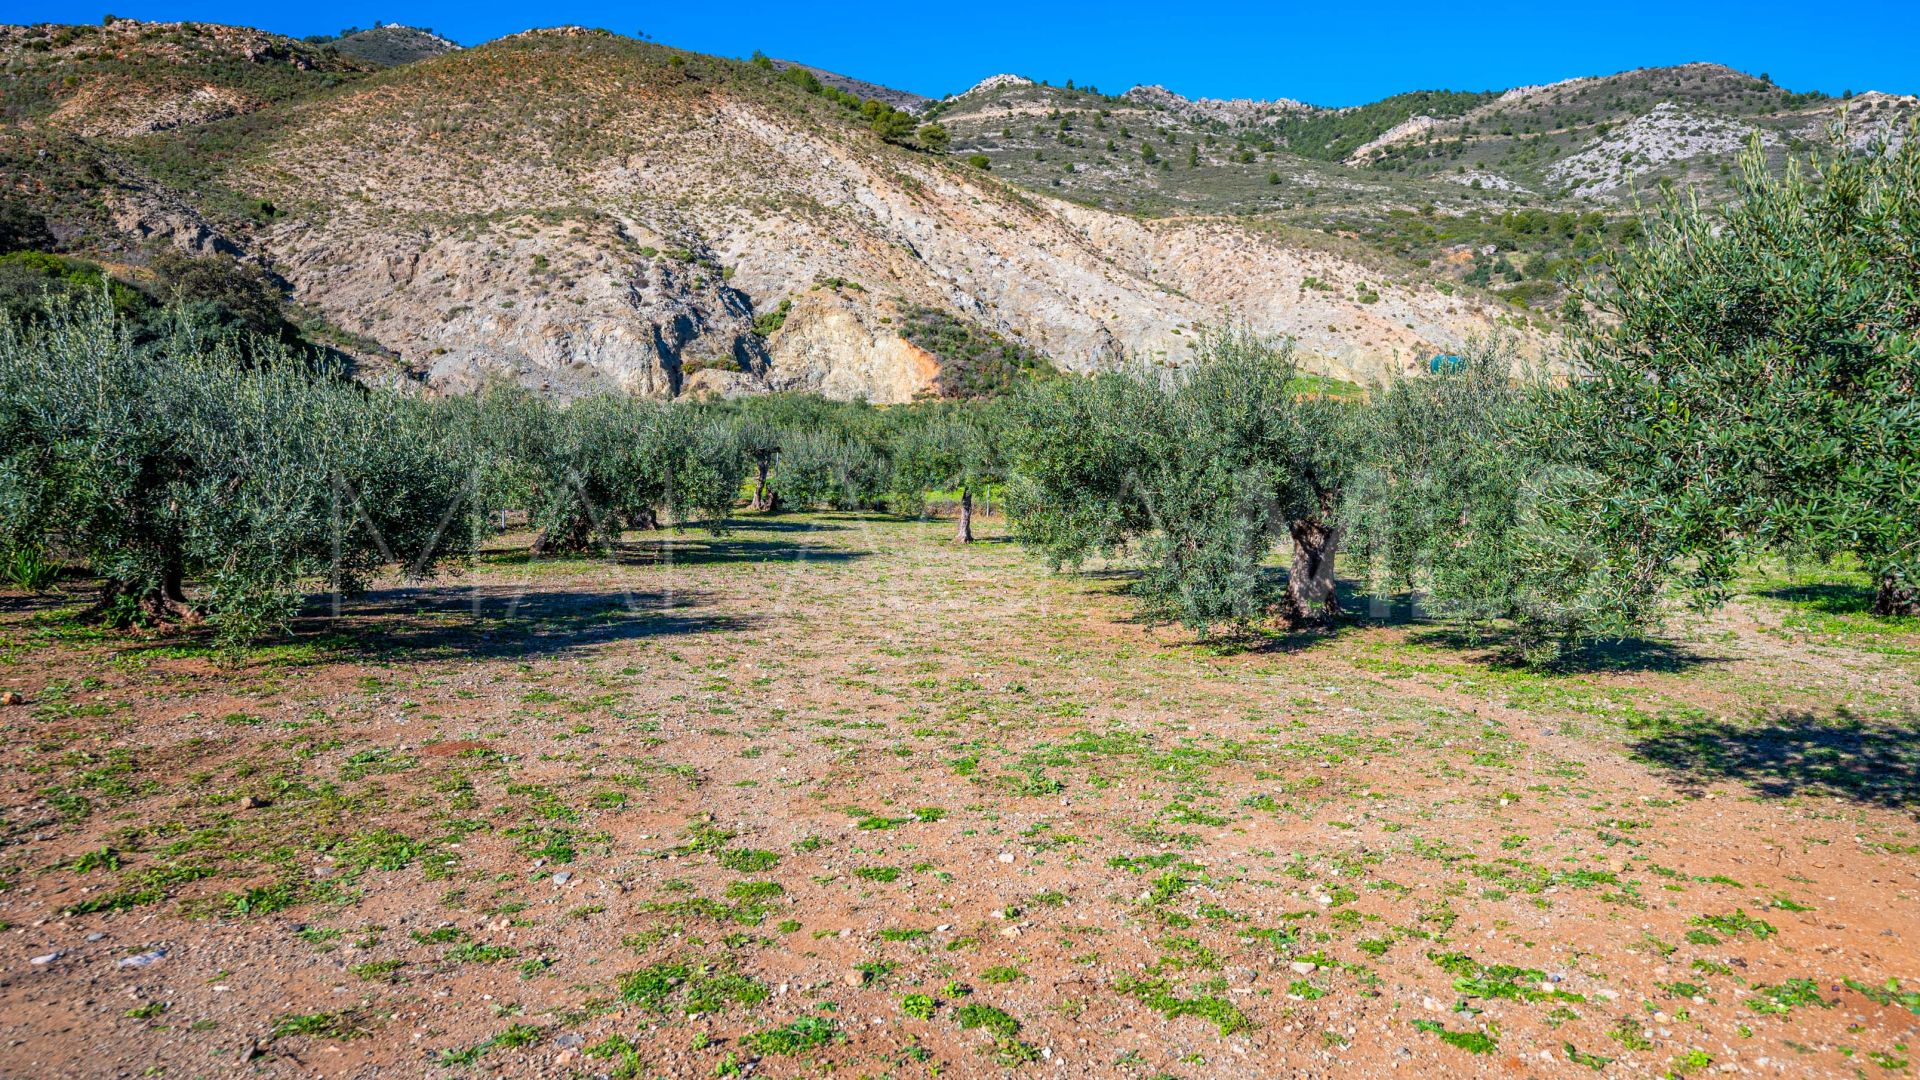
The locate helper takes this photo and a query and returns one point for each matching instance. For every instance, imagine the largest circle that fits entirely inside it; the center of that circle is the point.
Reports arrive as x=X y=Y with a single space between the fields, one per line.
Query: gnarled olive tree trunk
x=1312 y=598
x=1897 y=594
x=762 y=499
x=575 y=536
x=162 y=603
x=965 y=532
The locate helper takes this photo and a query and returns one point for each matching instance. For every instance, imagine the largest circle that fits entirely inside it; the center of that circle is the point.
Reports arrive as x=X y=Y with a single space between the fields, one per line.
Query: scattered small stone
x=140 y=960
x=562 y=877
x=43 y=961
x=253 y=802
x=1303 y=967
x=11 y=698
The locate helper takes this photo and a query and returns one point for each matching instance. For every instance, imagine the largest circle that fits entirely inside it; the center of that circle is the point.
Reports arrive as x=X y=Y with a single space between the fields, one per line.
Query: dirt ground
x=836 y=795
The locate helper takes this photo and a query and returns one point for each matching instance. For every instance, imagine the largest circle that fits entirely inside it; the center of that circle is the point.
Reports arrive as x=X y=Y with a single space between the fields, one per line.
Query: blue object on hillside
x=1446 y=362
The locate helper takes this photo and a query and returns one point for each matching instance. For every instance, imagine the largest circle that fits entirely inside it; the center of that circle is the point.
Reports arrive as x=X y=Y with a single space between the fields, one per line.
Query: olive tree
x=822 y=468
x=233 y=466
x=1755 y=386
x=1205 y=470
x=1466 y=493
x=692 y=466
x=954 y=447
x=587 y=482
x=809 y=451
x=589 y=469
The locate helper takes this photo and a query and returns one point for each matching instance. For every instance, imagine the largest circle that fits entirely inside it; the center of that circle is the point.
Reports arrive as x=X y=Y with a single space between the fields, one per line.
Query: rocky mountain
x=899 y=99
x=389 y=44
x=576 y=211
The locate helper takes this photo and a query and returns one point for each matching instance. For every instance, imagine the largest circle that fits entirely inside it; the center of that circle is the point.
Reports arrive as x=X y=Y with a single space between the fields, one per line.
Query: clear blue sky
x=1330 y=53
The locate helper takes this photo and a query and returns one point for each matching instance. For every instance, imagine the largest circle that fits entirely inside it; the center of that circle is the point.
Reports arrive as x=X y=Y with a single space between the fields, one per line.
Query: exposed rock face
x=1230 y=110
x=1666 y=133
x=995 y=82
x=577 y=213
x=146 y=214
x=570 y=307
x=832 y=346
x=126 y=78
x=645 y=262
x=1868 y=120
x=105 y=108
x=1405 y=129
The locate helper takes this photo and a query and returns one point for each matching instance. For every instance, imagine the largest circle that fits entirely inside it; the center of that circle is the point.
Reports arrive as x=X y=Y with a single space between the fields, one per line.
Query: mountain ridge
x=577 y=211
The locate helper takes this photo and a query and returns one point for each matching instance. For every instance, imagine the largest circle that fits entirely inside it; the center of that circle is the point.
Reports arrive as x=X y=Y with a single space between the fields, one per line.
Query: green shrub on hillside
x=974 y=362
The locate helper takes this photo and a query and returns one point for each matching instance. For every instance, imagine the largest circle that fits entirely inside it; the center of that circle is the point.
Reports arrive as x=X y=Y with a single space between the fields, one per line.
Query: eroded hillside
x=578 y=210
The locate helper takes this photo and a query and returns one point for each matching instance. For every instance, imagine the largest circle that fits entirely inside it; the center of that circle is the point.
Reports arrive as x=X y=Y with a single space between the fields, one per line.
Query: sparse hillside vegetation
x=974 y=362
x=386 y=44
x=374 y=190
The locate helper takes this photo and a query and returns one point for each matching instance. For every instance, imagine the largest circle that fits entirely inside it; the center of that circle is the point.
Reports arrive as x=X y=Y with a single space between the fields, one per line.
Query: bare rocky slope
x=577 y=211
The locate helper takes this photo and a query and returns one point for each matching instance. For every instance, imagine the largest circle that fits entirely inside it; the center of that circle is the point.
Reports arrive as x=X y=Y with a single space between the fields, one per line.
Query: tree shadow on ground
x=1796 y=753
x=1495 y=647
x=1501 y=648
x=684 y=550
x=691 y=550
x=1280 y=639
x=444 y=622
x=755 y=521
x=13 y=602
x=1827 y=597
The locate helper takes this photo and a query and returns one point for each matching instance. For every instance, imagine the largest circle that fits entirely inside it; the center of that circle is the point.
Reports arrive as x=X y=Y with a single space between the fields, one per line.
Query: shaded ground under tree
x=1794 y=753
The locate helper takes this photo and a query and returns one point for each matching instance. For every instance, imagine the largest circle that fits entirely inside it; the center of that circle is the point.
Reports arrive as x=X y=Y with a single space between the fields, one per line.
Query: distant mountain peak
x=393 y=44
x=1226 y=109
x=899 y=99
x=995 y=82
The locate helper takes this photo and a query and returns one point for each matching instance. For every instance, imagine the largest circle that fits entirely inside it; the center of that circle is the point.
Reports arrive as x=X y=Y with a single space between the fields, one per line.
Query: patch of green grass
x=515 y=1035
x=474 y=952
x=748 y=860
x=994 y=1019
x=697 y=989
x=1737 y=924
x=1888 y=993
x=794 y=1037
x=1498 y=980
x=1473 y=1042
x=1787 y=996
x=377 y=970
x=1158 y=995
x=320 y=1025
